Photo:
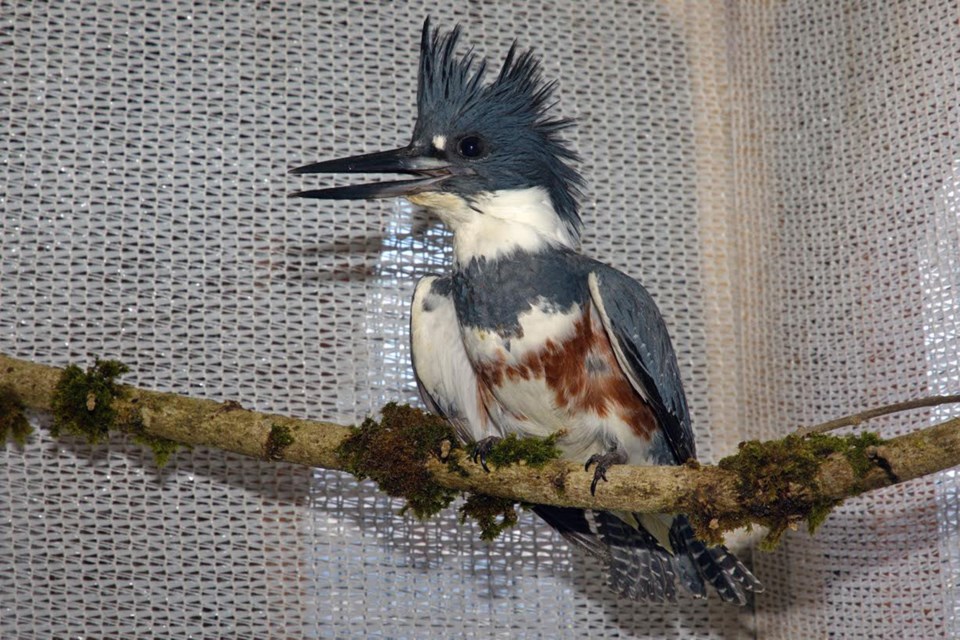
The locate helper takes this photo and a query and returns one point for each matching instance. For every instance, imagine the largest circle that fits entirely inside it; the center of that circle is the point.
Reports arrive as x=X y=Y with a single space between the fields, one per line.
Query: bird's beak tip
x=430 y=171
x=302 y=170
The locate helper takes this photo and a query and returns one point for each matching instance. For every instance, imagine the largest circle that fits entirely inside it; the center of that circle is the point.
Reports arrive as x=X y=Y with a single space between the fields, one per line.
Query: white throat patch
x=497 y=223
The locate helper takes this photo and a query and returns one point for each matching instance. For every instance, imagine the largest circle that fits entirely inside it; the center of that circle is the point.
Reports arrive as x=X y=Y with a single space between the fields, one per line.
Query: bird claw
x=482 y=449
x=603 y=461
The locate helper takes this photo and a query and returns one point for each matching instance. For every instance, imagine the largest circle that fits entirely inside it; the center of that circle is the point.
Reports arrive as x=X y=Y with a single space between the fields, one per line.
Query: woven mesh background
x=784 y=177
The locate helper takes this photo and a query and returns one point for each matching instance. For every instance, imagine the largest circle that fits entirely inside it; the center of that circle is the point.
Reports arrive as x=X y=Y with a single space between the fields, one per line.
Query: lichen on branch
x=393 y=453
x=84 y=405
x=493 y=515
x=13 y=423
x=777 y=484
x=280 y=438
x=532 y=451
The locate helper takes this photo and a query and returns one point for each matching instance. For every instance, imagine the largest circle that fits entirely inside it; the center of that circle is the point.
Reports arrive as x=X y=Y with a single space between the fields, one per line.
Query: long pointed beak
x=406 y=160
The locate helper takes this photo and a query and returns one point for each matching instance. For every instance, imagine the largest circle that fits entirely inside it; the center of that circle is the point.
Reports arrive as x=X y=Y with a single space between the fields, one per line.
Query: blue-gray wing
x=447 y=382
x=643 y=349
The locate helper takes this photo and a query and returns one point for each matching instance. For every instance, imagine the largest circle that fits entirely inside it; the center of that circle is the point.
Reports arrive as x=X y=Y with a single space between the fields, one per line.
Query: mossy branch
x=777 y=484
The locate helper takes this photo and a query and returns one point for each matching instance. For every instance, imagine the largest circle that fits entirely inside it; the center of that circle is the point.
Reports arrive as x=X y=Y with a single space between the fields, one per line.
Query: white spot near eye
x=439 y=142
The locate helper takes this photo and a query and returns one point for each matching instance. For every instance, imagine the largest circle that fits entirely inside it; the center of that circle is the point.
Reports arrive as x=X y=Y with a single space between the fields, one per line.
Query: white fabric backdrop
x=783 y=177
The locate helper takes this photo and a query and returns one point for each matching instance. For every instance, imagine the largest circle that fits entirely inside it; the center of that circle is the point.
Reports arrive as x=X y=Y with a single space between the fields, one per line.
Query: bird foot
x=482 y=449
x=603 y=461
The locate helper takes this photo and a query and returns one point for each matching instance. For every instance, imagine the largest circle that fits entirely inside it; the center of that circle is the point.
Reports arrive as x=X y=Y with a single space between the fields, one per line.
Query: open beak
x=431 y=171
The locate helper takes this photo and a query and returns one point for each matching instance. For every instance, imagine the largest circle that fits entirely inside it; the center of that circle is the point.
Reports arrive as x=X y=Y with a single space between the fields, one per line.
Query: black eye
x=471 y=146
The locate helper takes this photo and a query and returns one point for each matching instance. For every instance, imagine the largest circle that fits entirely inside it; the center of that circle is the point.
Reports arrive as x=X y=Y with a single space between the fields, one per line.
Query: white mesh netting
x=784 y=177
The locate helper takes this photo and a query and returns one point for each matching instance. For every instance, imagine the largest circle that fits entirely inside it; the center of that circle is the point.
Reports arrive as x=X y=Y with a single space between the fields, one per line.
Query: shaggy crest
x=451 y=94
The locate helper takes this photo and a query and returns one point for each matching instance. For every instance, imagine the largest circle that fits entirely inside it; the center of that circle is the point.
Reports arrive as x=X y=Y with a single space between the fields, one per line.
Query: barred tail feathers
x=716 y=565
x=641 y=568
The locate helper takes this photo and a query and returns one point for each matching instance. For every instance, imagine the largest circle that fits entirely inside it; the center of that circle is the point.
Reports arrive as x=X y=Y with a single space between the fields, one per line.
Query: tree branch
x=859 y=418
x=776 y=484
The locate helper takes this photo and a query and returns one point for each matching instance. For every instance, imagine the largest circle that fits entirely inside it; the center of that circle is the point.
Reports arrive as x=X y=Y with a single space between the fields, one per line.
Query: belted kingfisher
x=526 y=335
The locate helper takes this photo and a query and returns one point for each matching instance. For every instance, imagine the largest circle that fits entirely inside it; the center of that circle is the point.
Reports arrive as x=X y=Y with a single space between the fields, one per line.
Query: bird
x=526 y=335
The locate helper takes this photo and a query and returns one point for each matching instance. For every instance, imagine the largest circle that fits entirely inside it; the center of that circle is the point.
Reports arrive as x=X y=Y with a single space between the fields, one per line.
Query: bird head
x=472 y=139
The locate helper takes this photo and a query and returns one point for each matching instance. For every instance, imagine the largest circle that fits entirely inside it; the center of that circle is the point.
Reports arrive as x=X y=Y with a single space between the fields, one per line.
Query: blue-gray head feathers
x=503 y=131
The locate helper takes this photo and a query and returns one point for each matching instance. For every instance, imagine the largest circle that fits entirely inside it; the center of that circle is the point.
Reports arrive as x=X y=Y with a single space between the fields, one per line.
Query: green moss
x=13 y=423
x=856 y=452
x=535 y=452
x=818 y=513
x=279 y=439
x=83 y=405
x=393 y=452
x=162 y=448
x=453 y=464
x=493 y=515
x=777 y=483
x=83 y=400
